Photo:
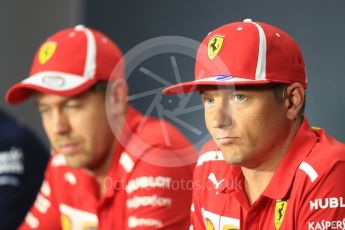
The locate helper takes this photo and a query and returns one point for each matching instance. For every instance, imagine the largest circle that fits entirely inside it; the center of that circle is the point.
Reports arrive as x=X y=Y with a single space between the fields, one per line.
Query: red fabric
x=66 y=53
x=315 y=198
x=141 y=198
x=246 y=53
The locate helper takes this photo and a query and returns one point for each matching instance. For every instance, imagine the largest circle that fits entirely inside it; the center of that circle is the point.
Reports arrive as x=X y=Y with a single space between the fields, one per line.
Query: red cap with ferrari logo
x=68 y=63
x=245 y=53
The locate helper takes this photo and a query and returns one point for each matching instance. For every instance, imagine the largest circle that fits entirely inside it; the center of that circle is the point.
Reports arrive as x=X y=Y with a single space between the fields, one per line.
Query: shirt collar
x=283 y=178
x=115 y=177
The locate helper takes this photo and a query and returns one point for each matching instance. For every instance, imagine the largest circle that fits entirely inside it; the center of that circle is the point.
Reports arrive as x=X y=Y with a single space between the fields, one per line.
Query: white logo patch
x=12 y=161
x=331 y=202
x=42 y=204
x=139 y=201
x=218 y=222
x=53 y=81
x=327 y=224
x=148 y=182
x=70 y=178
x=134 y=222
x=214 y=180
x=77 y=219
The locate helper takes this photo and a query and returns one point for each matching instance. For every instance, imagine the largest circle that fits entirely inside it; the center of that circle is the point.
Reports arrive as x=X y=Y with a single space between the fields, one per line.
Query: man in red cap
x=265 y=168
x=102 y=175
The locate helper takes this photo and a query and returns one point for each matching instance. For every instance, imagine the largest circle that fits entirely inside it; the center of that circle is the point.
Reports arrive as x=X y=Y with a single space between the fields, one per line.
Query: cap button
x=247 y=20
x=79 y=27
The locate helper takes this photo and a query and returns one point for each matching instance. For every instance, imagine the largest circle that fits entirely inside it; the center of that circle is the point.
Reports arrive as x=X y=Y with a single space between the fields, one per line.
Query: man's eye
x=239 y=97
x=208 y=101
x=73 y=105
x=43 y=110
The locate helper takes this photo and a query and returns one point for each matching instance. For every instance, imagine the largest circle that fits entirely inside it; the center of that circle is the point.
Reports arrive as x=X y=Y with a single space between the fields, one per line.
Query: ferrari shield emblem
x=46 y=52
x=65 y=222
x=214 y=46
x=209 y=225
x=279 y=213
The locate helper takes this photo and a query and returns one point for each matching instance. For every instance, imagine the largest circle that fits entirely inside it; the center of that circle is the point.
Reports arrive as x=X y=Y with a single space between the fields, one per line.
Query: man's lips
x=68 y=148
x=225 y=140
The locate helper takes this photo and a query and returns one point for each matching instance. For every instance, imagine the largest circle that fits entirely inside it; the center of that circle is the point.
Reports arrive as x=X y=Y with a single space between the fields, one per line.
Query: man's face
x=248 y=124
x=77 y=128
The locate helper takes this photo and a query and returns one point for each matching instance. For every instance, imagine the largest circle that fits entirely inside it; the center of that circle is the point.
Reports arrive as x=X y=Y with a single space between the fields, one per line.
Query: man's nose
x=222 y=116
x=60 y=123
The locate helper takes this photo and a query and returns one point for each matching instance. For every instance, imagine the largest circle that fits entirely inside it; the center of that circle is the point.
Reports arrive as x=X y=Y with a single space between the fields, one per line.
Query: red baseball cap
x=68 y=63
x=245 y=53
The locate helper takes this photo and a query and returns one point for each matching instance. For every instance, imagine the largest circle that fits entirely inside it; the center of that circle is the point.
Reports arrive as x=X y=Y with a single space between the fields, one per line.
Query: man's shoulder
x=58 y=170
x=160 y=131
x=210 y=162
x=210 y=154
x=158 y=142
x=327 y=155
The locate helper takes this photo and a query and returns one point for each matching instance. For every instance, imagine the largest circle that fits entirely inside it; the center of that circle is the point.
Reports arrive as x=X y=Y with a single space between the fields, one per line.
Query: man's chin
x=231 y=157
x=75 y=163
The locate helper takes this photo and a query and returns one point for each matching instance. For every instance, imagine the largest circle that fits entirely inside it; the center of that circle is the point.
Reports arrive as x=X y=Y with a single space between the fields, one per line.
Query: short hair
x=100 y=87
x=278 y=93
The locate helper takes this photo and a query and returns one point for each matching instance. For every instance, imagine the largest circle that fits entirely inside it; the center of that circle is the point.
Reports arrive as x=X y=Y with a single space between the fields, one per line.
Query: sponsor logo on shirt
x=73 y=218
x=42 y=204
x=279 y=213
x=148 y=182
x=325 y=203
x=134 y=222
x=154 y=200
x=32 y=221
x=326 y=224
x=214 y=221
x=214 y=180
x=208 y=224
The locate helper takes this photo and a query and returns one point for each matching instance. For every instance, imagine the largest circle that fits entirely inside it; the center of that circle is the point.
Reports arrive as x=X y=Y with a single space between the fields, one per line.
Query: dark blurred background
x=317 y=26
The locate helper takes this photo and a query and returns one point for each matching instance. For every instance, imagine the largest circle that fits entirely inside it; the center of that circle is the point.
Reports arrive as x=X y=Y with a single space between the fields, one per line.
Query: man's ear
x=116 y=98
x=294 y=100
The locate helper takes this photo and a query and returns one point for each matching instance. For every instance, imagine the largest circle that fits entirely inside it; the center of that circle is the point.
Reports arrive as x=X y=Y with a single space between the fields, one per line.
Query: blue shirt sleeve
x=23 y=159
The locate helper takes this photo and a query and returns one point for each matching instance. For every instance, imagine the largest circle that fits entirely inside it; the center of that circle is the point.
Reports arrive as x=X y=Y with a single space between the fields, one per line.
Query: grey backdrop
x=24 y=26
x=318 y=27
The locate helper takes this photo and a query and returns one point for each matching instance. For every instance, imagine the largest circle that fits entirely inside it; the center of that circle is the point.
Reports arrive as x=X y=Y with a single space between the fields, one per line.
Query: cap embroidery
x=46 y=52
x=214 y=45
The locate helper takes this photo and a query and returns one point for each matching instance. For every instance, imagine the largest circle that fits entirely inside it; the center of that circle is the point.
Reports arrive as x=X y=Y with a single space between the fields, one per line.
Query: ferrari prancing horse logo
x=214 y=46
x=46 y=52
x=279 y=213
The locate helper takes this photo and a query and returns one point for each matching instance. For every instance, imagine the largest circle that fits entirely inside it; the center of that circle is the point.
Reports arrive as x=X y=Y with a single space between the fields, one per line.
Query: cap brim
x=192 y=86
x=23 y=90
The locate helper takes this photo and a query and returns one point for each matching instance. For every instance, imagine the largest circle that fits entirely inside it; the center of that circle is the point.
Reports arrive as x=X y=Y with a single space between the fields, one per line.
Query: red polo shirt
x=139 y=195
x=307 y=190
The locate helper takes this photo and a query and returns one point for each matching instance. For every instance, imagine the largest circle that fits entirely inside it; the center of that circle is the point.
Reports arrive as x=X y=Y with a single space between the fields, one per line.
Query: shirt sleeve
x=44 y=213
x=159 y=197
x=23 y=159
x=324 y=204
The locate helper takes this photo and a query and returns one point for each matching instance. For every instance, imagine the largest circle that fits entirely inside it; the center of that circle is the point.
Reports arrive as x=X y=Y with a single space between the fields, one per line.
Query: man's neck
x=101 y=172
x=257 y=179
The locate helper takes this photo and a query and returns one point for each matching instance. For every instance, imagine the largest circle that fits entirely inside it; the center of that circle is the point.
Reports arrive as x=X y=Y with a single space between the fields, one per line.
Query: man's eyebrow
x=203 y=93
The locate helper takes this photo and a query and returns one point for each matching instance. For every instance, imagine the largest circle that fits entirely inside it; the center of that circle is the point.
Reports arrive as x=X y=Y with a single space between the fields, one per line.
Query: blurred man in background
x=99 y=178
